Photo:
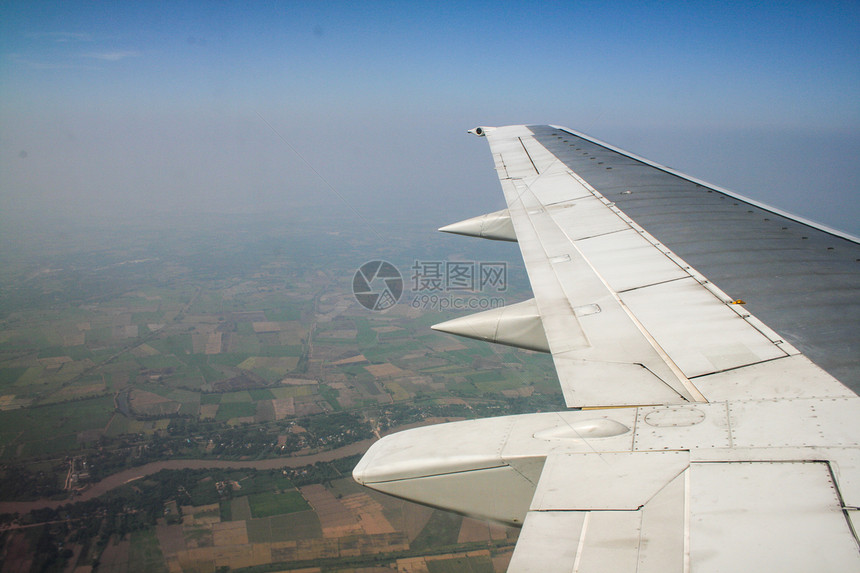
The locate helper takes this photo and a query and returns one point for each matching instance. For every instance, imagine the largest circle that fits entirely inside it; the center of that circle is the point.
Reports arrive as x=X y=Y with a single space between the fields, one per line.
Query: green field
x=145 y=554
x=56 y=420
x=234 y=397
x=441 y=530
x=8 y=376
x=269 y=503
x=236 y=410
x=293 y=391
x=476 y=564
x=297 y=525
x=261 y=394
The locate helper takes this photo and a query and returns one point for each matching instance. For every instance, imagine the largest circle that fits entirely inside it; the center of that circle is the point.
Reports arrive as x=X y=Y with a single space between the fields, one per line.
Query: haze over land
x=170 y=107
x=186 y=192
x=232 y=346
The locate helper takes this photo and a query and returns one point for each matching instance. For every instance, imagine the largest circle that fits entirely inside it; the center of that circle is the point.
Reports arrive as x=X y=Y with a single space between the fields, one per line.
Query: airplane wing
x=698 y=437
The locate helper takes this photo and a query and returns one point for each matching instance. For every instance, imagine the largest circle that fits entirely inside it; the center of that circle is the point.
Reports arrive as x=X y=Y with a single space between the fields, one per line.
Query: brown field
x=266 y=327
x=330 y=353
x=412 y=565
x=413 y=355
x=198 y=342
x=396 y=391
x=75 y=391
x=240 y=508
x=170 y=537
x=308 y=407
x=336 y=519
x=114 y=558
x=148 y=403
x=202 y=322
x=144 y=350
x=249 y=316
x=501 y=561
x=346 y=396
x=340 y=334
x=277 y=364
x=18 y=553
x=352 y=546
x=229 y=341
x=522 y=391
x=350 y=360
x=384 y=329
x=419 y=564
x=384 y=370
x=269 y=338
x=291 y=336
x=457 y=401
x=126 y=331
x=142 y=398
x=298 y=382
x=74 y=339
x=213 y=344
x=200 y=515
x=445 y=344
x=208 y=411
x=123 y=318
x=229 y=533
x=369 y=513
x=284 y=407
x=55 y=361
x=476 y=530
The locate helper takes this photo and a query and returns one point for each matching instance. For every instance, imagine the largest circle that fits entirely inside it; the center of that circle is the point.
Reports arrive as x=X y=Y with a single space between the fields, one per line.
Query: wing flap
x=650 y=538
x=628 y=262
x=606 y=480
x=581 y=542
x=548 y=542
x=783 y=516
x=722 y=516
x=701 y=334
x=792 y=377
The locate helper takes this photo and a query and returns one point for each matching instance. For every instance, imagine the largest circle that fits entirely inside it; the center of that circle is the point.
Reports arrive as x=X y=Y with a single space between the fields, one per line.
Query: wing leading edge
x=719 y=406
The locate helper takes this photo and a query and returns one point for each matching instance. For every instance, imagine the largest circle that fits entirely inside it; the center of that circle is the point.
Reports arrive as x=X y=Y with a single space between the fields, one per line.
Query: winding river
x=132 y=474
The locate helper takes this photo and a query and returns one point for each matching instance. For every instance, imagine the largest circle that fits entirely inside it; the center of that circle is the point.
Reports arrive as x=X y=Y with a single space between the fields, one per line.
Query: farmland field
x=249 y=356
x=270 y=503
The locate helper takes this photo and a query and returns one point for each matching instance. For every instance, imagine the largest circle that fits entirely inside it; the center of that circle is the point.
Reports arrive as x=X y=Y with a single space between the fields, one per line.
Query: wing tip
x=480 y=131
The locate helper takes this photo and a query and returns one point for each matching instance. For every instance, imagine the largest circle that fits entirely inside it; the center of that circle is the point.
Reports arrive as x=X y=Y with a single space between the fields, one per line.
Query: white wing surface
x=699 y=439
x=626 y=319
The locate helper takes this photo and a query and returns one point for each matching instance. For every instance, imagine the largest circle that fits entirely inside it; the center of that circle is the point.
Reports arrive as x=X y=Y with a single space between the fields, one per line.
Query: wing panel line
x=528 y=155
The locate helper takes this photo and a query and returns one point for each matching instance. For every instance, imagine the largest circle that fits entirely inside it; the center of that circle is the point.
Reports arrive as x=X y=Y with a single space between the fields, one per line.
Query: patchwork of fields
x=252 y=354
x=312 y=524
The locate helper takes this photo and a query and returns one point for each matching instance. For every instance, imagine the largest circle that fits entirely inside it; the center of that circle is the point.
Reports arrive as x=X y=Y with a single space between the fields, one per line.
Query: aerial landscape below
x=223 y=295
x=199 y=408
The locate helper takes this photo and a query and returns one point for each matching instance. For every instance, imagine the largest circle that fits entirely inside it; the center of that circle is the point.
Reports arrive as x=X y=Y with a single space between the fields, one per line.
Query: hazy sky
x=167 y=106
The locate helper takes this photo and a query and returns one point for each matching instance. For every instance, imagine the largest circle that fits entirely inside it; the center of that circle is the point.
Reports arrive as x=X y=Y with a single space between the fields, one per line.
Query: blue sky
x=165 y=106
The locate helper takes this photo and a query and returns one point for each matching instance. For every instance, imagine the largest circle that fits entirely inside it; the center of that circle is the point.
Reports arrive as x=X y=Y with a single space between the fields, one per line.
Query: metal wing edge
x=729 y=192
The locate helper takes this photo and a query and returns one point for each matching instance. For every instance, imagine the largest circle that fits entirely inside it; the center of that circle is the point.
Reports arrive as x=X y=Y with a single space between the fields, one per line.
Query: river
x=132 y=474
